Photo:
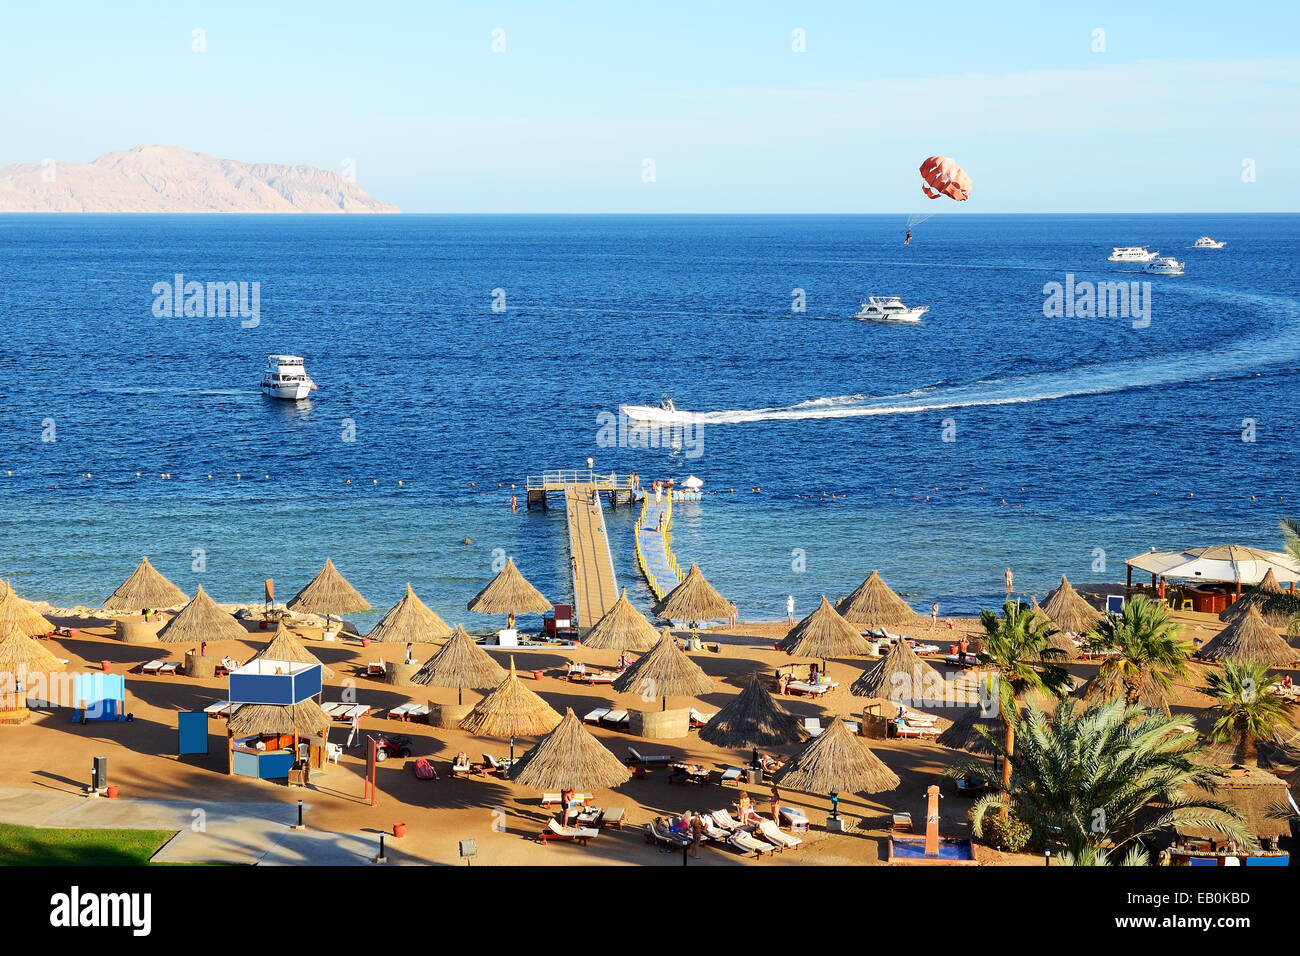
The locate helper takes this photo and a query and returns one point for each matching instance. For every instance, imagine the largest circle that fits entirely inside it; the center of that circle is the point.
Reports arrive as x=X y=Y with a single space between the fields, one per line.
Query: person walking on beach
x=934 y=615
x=789 y=608
x=1010 y=580
x=735 y=613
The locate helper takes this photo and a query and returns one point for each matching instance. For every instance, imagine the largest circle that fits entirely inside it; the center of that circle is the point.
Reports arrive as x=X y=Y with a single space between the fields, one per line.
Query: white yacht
x=1206 y=242
x=889 y=308
x=1164 y=266
x=664 y=413
x=1131 y=254
x=286 y=377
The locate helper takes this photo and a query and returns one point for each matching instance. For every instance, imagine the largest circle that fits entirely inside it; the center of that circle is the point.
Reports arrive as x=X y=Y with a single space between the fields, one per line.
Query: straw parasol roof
x=509 y=593
x=1069 y=611
x=328 y=593
x=410 y=620
x=285 y=646
x=874 y=604
x=14 y=610
x=665 y=672
x=753 y=719
x=824 y=633
x=569 y=758
x=145 y=588
x=836 y=762
x=304 y=718
x=511 y=710
x=962 y=734
x=202 y=620
x=460 y=663
x=1253 y=793
x=693 y=600
x=899 y=676
x=1249 y=638
x=20 y=653
x=623 y=628
x=1058 y=640
x=1260 y=597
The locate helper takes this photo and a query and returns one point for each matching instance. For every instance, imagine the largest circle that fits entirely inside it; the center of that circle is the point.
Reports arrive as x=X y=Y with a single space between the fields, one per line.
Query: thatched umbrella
x=21 y=655
x=665 y=671
x=145 y=588
x=511 y=710
x=693 y=600
x=753 y=719
x=201 y=620
x=824 y=633
x=285 y=646
x=962 y=735
x=1057 y=639
x=1067 y=609
x=622 y=628
x=875 y=605
x=410 y=621
x=328 y=593
x=460 y=663
x=1261 y=597
x=1249 y=638
x=836 y=761
x=509 y=593
x=900 y=670
x=14 y=610
x=304 y=719
x=569 y=758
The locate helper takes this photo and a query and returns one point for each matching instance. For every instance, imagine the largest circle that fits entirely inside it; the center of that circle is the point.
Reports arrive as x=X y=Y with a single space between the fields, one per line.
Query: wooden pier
x=616 y=489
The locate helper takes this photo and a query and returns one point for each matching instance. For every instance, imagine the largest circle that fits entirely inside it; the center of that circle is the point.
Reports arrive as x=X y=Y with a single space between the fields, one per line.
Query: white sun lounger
x=418 y=711
x=616 y=718
x=331 y=708
x=169 y=669
x=212 y=710
x=772 y=834
x=556 y=831
x=813 y=725
x=553 y=799
x=815 y=690
x=637 y=757
x=596 y=716
x=698 y=718
x=795 y=819
x=152 y=667
x=723 y=819
x=746 y=842
x=854 y=727
x=402 y=711
x=731 y=777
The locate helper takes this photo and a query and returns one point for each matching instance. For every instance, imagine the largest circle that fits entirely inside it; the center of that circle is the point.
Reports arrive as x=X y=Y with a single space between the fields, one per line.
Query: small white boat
x=1131 y=254
x=1164 y=266
x=1206 y=242
x=666 y=412
x=286 y=377
x=889 y=308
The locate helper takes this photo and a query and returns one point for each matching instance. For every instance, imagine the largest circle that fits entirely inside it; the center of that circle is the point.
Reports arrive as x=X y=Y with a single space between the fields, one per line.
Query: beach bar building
x=1211 y=579
x=277 y=709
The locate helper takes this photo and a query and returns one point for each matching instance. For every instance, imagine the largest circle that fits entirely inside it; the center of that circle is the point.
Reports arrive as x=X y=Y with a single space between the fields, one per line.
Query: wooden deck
x=594 y=586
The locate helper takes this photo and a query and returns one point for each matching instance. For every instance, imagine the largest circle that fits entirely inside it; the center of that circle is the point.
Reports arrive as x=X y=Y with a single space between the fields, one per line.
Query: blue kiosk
x=266 y=683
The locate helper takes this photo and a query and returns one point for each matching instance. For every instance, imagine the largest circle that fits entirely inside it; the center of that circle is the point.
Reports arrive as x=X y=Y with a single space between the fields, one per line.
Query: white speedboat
x=286 y=377
x=889 y=308
x=1205 y=242
x=1131 y=254
x=1164 y=266
x=665 y=412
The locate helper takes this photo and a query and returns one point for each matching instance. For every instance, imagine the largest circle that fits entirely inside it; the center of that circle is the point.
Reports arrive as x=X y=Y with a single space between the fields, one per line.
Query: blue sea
x=1073 y=442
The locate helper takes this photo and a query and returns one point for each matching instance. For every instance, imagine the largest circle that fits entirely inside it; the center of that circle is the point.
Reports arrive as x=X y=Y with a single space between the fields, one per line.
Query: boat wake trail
x=1282 y=347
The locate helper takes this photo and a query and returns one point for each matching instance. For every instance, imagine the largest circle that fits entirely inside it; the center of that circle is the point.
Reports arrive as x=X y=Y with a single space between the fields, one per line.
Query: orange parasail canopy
x=946 y=177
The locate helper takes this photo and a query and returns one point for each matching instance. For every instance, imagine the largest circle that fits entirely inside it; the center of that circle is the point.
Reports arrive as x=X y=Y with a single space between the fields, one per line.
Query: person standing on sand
x=934 y=615
x=776 y=806
x=735 y=612
x=789 y=608
x=1010 y=581
x=697 y=834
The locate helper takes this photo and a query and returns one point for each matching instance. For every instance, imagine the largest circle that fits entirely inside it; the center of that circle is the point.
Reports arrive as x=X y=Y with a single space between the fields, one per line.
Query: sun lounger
x=665 y=837
x=910 y=732
x=554 y=831
x=331 y=708
x=376 y=669
x=169 y=669
x=698 y=720
x=746 y=842
x=614 y=817
x=853 y=727
x=553 y=799
x=770 y=832
x=634 y=756
x=596 y=716
x=812 y=690
x=813 y=725
x=731 y=777
x=152 y=667
x=601 y=678
x=616 y=718
x=688 y=773
x=350 y=711
x=901 y=822
x=492 y=765
x=214 y=710
x=723 y=819
x=795 y=819
x=401 y=711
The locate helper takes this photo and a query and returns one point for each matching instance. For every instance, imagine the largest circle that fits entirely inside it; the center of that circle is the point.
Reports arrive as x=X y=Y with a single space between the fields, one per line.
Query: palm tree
x=1017 y=652
x=1244 y=712
x=1291 y=532
x=1150 y=654
x=1100 y=780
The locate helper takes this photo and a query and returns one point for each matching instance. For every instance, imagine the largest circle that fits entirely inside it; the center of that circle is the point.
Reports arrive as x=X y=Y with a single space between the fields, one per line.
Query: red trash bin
x=399 y=829
x=112 y=791
x=365 y=642
x=106 y=665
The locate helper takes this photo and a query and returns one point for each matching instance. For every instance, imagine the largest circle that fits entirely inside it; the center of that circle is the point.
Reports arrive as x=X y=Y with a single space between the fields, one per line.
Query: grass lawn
x=33 y=846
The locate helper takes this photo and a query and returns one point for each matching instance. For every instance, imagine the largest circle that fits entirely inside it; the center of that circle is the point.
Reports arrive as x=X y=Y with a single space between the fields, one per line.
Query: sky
x=676 y=107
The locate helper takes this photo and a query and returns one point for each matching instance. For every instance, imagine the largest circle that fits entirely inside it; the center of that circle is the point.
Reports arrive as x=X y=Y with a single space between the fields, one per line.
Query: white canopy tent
x=1224 y=563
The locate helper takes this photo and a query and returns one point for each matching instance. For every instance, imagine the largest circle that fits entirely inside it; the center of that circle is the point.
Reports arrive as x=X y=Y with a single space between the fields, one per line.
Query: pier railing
x=560 y=479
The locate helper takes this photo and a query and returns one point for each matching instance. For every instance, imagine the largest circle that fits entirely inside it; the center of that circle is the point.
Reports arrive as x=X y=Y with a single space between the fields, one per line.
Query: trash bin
x=399 y=829
x=365 y=642
x=106 y=666
x=537 y=675
x=755 y=777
